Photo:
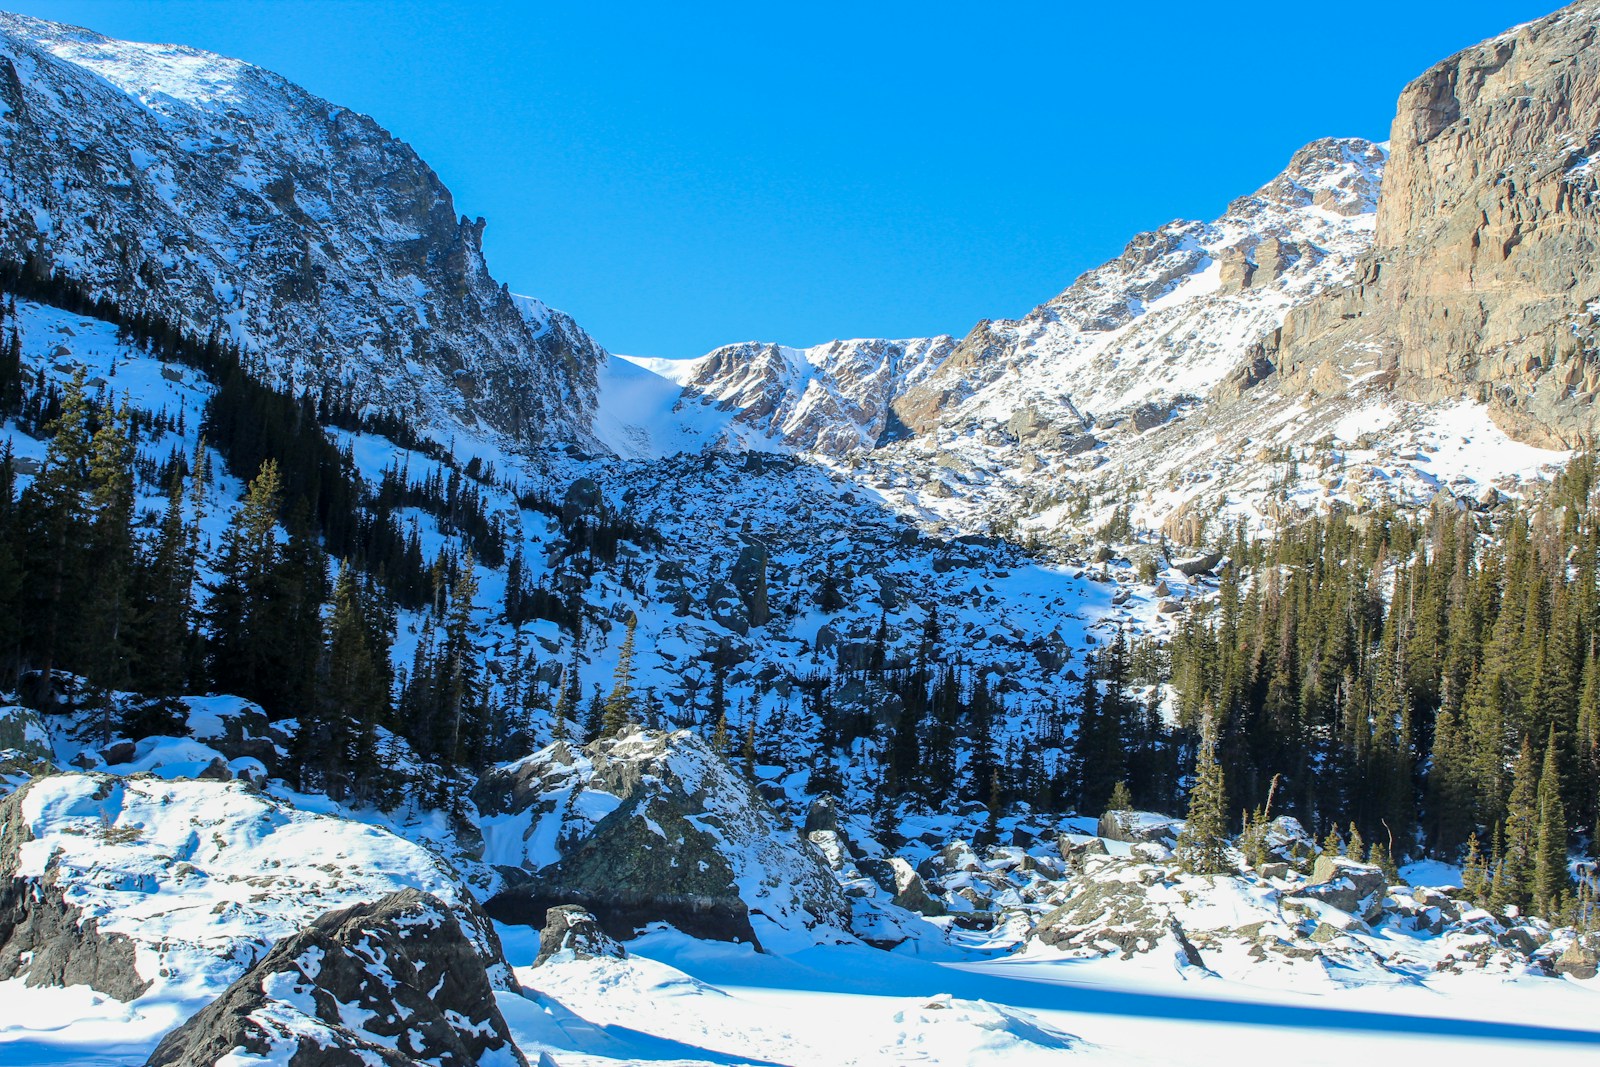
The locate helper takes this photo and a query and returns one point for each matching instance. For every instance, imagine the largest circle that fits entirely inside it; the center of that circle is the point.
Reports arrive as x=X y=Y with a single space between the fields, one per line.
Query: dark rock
x=896 y=877
x=749 y=577
x=572 y=933
x=1199 y=564
x=582 y=496
x=397 y=982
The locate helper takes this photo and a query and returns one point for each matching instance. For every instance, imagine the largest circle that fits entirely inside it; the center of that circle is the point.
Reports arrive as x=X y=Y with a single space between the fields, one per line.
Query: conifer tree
x=620 y=707
x=1474 y=873
x=56 y=517
x=1520 y=836
x=1550 y=879
x=1203 y=844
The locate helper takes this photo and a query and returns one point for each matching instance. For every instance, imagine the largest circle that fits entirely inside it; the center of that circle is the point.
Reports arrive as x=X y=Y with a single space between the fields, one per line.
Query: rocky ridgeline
x=218 y=194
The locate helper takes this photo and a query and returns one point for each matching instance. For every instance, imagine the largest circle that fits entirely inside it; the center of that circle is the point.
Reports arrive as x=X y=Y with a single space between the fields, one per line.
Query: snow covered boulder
x=1114 y=911
x=1356 y=888
x=653 y=827
x=570 y=933
x=139 y=886
x=398 y=982
x=1580 y=959
x=1140 y=826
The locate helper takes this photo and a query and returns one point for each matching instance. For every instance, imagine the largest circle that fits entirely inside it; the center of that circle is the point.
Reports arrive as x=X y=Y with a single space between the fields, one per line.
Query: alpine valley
x=1202 y=667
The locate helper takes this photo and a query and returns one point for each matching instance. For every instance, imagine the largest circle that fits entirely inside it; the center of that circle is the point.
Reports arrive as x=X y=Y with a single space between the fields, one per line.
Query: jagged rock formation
x=1482 y=278
x=221 y=195
x=396 y=982
x=833 y=399
x=652 y=827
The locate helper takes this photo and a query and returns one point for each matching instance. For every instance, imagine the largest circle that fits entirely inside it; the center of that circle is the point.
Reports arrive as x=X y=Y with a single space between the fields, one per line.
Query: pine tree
x=337 y=737
x=1121 y=799
x=464 y=712
x=1474 y=875
x=238 y=612
x=1550 y=879
x=1519 y=841
x=1203 y=844
x=719 y=738
x=620 y=707
x=56 y=535
x=1357 y=848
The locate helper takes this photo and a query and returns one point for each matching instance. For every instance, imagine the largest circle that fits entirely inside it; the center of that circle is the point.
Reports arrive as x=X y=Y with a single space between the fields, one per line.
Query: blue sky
x=681 y=176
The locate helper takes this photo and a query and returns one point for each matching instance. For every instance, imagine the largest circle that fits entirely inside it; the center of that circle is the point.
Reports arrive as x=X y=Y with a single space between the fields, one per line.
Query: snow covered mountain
x=219 y=195
x=1168 y=319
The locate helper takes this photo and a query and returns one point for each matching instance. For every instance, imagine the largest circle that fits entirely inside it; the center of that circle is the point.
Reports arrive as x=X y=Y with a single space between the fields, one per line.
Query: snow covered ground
x=684 y=1001
x=678 y=1001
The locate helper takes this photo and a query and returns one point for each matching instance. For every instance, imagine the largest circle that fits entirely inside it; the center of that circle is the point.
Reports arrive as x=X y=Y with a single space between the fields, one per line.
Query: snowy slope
x=221 y=195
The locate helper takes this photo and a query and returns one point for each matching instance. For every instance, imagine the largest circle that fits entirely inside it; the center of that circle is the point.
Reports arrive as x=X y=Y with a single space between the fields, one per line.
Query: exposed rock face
x=652 y=827
x=395 y=982
x=904 y=885
x=1482 y=275
x=570 y=933
x=1580 y=959
x=217 y=193
x=1139 y=826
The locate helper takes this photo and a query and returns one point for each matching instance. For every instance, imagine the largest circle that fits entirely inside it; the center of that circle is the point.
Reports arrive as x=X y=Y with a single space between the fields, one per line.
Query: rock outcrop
x=1482 y=280
x=126 y=884
x=652 y=827
x=396 y=982
x=570 y=933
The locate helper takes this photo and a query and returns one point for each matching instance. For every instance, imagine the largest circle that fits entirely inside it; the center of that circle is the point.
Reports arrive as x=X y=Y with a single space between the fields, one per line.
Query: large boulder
x=904 y=885
x=1113 y=914
x=24 y=745
x=128 y=885
x=397 y=982
x=570 y=933
x=652 y=827
x=749 y=577
x=1135 y=827
x=1339 y=882
x=1580 y=959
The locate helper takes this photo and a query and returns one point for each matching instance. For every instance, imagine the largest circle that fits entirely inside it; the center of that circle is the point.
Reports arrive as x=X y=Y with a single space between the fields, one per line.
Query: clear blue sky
x=681 y=176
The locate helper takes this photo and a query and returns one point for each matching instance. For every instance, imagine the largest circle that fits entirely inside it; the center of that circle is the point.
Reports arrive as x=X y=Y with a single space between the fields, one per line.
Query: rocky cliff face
x=1482 y=278
x=221 y=195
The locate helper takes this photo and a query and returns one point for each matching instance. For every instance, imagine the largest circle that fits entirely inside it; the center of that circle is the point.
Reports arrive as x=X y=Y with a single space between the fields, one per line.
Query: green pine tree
x=1203 y=844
